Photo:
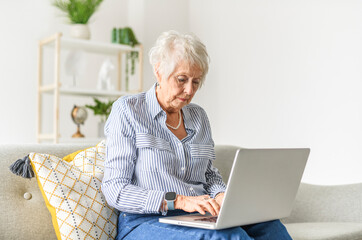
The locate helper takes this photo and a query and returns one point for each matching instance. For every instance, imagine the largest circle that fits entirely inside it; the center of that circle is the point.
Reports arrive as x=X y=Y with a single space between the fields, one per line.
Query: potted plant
x=103 y=109
x=78 y=12
x=126 y=36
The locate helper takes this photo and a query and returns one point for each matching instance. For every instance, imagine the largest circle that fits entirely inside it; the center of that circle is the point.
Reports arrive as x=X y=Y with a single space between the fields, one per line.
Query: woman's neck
x=170 y=111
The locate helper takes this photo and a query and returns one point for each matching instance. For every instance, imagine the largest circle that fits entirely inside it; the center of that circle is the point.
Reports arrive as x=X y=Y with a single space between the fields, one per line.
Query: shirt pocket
x=201 y=154
x=154 y=154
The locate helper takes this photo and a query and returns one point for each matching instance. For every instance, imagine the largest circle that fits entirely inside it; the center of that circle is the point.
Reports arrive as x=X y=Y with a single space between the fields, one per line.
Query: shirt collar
x=152 y=102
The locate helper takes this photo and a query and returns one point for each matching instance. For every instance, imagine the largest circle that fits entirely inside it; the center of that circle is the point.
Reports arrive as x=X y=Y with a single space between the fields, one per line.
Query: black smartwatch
x=170 y=198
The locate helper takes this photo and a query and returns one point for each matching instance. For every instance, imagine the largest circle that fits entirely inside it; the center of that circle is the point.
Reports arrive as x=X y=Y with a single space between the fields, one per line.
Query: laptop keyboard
x=207 y=219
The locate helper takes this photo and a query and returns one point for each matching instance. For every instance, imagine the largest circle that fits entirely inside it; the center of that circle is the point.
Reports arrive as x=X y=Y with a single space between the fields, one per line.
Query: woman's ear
x=156 y=71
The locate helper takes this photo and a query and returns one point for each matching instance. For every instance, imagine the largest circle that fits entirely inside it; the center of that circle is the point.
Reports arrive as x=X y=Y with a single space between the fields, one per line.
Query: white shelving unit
x=59 y=43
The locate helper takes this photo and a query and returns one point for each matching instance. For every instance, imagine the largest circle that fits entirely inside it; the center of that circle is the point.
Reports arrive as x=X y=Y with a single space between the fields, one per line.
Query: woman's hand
x=201 y=204
x=220 y=198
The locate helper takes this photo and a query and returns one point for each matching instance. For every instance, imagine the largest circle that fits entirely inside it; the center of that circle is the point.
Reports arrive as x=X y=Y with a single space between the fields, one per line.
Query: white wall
x=150 y=18
x=283 y=73
x=286 y=74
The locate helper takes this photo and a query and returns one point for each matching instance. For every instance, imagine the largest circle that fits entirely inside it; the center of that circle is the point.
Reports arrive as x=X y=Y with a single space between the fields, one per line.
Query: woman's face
x=179 y=89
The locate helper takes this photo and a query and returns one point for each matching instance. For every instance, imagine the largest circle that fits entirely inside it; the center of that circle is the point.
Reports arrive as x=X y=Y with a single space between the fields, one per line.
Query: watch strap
x=170 y=205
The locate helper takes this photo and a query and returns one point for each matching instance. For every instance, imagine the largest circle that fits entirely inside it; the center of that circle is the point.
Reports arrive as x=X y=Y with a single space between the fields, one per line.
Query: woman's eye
x=196 y=82
x=181 y=79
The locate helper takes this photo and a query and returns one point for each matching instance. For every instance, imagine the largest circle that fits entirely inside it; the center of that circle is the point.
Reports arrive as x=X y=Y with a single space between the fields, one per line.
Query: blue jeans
x=147 y=226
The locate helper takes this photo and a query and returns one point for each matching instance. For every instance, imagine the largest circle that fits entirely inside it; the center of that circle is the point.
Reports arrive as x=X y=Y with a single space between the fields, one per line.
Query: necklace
x=179 y=122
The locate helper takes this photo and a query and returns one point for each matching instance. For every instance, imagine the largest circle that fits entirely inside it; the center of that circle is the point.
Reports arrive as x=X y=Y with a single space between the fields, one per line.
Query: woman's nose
x=189 y=88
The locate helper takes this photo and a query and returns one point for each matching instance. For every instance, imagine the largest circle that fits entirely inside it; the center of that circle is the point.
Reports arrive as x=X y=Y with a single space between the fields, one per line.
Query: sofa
x=319 y=212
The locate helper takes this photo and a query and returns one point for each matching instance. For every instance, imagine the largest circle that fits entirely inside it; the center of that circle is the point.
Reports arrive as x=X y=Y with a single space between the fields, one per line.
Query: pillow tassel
x=22 y=167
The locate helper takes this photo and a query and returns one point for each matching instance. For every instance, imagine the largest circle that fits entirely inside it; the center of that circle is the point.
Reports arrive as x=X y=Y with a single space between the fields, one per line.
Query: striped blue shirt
x=145 y=159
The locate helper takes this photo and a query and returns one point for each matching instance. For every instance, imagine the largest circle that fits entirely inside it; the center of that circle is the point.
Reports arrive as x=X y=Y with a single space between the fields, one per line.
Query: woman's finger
x=215 y=205
x=208 y=207
x=199 y=209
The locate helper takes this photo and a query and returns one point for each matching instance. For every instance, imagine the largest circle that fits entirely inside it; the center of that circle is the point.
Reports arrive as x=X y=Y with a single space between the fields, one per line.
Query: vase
x=80 y=31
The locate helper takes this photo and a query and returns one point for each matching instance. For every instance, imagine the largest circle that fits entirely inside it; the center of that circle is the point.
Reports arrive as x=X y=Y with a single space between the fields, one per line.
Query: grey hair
x=172 y=47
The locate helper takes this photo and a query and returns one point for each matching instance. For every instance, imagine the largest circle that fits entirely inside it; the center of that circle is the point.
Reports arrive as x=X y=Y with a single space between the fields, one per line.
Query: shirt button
x=124 y=215
x=183 y=169
x=191 y=188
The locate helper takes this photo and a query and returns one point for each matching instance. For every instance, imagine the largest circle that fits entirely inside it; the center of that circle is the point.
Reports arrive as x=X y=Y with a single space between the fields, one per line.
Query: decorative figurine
x=104 y=78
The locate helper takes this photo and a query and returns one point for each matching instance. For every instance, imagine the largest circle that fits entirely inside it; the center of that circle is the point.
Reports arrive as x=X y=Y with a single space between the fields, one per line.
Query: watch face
x=170 y=196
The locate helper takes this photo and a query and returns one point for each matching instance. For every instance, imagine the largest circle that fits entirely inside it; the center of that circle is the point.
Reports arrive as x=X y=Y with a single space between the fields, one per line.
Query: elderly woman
x=160 y=152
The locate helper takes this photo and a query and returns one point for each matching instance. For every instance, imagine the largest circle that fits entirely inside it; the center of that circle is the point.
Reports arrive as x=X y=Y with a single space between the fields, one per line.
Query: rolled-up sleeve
x=214 y=183
x=120 y=164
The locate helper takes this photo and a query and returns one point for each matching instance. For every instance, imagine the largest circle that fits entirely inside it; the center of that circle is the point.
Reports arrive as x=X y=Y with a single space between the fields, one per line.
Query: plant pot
x=80 y=31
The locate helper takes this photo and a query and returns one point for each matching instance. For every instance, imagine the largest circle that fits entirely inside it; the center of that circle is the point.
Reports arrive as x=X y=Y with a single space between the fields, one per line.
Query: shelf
x=46 y=136
x=93 y=93
x=92 y=46
x=85 y=92
x=57 y=90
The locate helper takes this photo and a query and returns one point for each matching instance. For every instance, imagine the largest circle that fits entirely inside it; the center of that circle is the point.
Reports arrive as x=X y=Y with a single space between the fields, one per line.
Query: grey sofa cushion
x=225 y=155
x=325 y=231
x=316 y=203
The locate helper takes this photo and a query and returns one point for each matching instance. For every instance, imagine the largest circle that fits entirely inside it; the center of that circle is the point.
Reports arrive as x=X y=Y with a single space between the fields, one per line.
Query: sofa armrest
x=337 y=203
x=26 y=217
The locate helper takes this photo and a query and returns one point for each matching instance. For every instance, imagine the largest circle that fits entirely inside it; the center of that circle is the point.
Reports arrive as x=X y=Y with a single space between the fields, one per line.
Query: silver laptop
x=262 y=186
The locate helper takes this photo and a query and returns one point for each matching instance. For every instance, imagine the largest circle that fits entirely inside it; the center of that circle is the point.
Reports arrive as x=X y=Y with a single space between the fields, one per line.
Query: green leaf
x=101 y=108
x=78 y=11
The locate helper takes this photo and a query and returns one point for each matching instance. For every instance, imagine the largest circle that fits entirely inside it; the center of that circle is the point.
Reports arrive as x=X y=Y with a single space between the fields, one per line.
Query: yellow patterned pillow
x=72 y=192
